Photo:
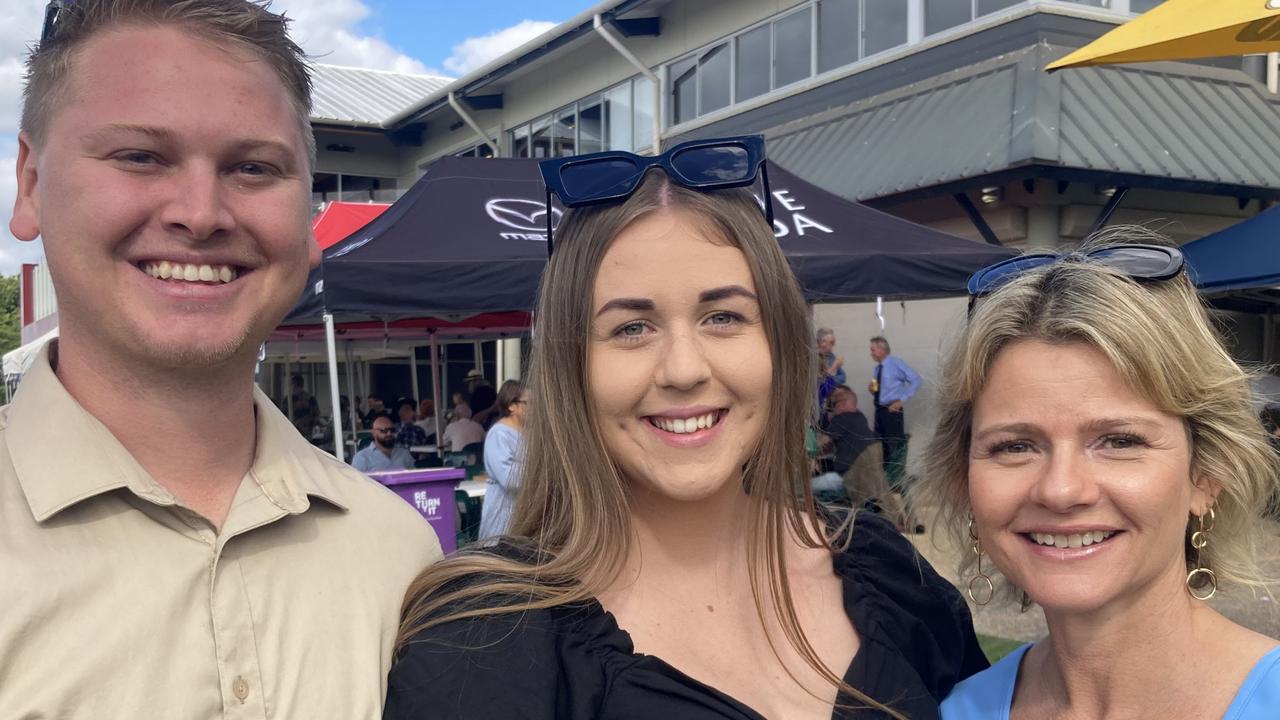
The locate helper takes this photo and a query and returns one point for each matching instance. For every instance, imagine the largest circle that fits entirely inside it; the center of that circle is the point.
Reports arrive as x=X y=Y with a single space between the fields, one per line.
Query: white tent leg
x=331 y=348
x=435 y=394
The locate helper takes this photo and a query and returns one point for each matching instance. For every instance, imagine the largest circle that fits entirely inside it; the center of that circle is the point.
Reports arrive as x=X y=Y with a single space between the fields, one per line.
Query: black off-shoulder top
x=574 y=663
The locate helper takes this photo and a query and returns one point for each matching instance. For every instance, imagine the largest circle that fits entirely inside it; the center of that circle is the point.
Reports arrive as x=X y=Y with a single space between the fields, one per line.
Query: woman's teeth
x=164 y=270
x=681 y=426
x=1072 y=541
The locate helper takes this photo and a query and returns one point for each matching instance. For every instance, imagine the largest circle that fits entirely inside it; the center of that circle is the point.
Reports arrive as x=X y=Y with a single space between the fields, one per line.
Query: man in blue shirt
x=382 y=453
x=408 y=434
x=892 y=384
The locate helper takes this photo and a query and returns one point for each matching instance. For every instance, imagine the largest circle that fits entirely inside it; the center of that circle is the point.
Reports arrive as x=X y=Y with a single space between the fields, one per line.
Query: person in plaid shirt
x=407 y=433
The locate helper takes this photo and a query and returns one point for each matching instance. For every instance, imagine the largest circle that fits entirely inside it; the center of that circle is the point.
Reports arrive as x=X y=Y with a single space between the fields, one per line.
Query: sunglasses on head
x=612 y=176
x=52 y=13
x=1140 y=262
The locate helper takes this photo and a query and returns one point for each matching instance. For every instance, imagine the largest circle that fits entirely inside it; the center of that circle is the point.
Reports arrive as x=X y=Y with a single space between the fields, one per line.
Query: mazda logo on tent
x=523 y=215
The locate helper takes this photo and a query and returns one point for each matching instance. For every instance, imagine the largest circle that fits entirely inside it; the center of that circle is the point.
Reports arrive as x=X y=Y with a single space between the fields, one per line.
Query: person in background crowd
x=661 y=563
x=170 y=547
x=306 y=411
x=857 y=463
x=1097 y=445
x=456 y=400
x=482 y=398
x=382 y=453
x=427 y=417
x=408 y=434
x=832 y=365
x=502 y=448
x=462 y=430
x=376 y=408
x=893 y=382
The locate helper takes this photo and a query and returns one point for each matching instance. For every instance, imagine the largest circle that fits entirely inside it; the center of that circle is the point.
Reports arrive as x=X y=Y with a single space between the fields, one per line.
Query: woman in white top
x=502 y=448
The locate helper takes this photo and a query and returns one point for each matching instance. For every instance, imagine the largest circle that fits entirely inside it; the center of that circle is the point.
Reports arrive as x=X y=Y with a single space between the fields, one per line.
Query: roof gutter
x=470 y=121
x=609 y=37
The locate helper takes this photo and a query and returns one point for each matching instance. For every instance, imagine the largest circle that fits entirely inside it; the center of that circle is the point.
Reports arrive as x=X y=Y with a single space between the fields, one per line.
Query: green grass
x=997 y=647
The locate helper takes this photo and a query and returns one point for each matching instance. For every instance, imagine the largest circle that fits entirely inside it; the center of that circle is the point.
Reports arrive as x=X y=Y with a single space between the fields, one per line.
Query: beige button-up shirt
x=118 y=602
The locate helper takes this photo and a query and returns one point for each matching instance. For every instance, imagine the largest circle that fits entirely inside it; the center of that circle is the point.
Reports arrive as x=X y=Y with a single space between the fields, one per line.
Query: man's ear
x=25 y=223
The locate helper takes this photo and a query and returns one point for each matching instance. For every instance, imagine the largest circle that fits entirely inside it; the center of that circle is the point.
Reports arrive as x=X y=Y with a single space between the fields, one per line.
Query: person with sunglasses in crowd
x=665 y=558
x=1096 y=445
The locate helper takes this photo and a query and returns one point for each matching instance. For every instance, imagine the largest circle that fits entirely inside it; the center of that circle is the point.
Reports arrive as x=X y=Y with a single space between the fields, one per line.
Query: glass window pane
x=791 y=40
x=1093 y=3
x=886 y=25
x=520 y=142
x=837 y=33
x=324 y=187
x=590 y=126
x=940 y=15
x=1141 y=6
x=563 y=132
x=986 y=7
x=617 y=114
x=362 y=188
x=753 y=63
x=642 y=96
x=713 y=85
x=540 y=140
x=682 y=76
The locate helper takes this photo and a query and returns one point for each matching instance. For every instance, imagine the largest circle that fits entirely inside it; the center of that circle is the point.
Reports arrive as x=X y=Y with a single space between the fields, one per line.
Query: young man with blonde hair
x=158 y=562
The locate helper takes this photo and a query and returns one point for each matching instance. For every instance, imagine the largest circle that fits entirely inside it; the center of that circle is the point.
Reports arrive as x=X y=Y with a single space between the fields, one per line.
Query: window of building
x=839 y=28
x=326 y=187
x=481 y=151
x=713 y=79
x=683 y=80
x=752 y=63
x=942 y=15
x=884 y=25
x=792 y=57
x=1141 y=6
x=620 y=118
x=986 y=7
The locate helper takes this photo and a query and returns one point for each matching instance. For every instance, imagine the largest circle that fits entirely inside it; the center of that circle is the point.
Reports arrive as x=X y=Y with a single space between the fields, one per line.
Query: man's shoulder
x=371 y=503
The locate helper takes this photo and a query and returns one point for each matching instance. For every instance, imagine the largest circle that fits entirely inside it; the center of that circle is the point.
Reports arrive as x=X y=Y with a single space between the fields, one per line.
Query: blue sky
x=422 y=36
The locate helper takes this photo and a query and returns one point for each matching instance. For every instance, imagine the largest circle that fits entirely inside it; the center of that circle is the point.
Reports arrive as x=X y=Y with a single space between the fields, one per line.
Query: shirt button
x=240 y=689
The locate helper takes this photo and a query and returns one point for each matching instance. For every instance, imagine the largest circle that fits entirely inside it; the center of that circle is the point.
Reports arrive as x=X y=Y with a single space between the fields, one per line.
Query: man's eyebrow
x=723 y=293
x=148 y=130
x=633 y=304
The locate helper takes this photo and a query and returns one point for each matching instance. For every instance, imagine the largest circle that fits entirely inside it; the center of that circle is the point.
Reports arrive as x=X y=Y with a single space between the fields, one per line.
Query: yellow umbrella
x=1184 y=29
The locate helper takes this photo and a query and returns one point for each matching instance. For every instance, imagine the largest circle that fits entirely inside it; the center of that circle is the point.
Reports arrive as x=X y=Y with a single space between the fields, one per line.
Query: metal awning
x=1165 y=125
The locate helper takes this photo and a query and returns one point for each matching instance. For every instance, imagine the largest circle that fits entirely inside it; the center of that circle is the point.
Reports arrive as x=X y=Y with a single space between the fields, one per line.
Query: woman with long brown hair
x=666 y=558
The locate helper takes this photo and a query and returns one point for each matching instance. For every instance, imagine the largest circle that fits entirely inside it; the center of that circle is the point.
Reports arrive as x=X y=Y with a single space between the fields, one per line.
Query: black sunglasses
x=613 y=175
x=1140 y=262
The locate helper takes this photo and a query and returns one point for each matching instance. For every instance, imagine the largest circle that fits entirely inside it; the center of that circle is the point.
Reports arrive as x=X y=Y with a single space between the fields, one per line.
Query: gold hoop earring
x=1201 y=576
x=980 y=580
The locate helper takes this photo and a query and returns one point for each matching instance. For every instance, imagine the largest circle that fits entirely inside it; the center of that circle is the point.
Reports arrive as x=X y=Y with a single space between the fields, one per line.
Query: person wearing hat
x=483 y=398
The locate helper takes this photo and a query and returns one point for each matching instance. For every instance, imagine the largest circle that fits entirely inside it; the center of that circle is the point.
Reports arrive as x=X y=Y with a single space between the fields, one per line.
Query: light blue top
x=897 y=380
x=827 y=359
x=989 y=694
x=371 y=459
x=501 y=464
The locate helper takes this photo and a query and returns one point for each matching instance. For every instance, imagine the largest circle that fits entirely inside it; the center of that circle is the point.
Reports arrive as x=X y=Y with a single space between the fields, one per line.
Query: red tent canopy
x=340 y=219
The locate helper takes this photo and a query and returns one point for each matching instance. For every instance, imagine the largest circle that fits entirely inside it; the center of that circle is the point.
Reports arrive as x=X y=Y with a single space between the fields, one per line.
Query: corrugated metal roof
x=1171 y=120
x=356 y=96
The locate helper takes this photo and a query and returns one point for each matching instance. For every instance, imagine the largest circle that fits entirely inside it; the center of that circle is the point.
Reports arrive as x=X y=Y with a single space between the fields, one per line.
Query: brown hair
x=1159 y=338
x=242 y=24
x=573 y=504
x=508 y=395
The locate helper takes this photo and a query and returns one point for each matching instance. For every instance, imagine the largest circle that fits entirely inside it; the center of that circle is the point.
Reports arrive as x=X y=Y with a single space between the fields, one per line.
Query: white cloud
x=476 y=51
x=328 y=30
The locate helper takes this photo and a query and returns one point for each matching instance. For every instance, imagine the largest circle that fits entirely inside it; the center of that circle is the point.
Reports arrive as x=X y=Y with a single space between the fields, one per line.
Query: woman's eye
x=634 y=329
x=1013 y=447
x=723 y=318
x=1122 y=442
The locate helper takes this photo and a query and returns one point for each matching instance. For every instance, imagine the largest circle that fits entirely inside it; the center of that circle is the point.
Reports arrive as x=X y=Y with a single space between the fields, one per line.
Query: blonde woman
x=1096 y=445
x=665 y=559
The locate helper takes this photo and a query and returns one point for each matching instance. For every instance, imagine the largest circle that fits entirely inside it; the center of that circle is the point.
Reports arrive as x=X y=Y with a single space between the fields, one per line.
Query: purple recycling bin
x=430 y=492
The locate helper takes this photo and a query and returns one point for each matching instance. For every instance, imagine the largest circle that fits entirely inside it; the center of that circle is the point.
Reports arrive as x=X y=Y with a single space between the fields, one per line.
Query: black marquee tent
x=466 y=246
x=469 y=238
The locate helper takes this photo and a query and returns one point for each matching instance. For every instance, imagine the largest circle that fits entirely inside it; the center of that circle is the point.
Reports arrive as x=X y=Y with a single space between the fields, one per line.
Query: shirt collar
x=62 y=455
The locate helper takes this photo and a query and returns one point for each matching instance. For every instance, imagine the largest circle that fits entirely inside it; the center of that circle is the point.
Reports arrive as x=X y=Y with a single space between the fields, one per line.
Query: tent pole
x=351 y=390
x=331 y=348
x=413 y=373
x=435 y=392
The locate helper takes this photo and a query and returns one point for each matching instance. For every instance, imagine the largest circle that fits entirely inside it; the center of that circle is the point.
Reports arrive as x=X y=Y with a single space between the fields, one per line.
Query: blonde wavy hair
x=1160 y=339
x=572 y=515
